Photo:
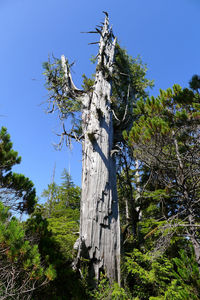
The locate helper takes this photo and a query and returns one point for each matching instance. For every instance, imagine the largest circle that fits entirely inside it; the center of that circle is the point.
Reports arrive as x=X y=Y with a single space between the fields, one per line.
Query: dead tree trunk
x=99 y=239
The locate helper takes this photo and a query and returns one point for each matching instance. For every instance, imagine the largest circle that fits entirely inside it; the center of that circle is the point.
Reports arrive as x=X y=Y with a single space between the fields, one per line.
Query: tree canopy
x=16 y=190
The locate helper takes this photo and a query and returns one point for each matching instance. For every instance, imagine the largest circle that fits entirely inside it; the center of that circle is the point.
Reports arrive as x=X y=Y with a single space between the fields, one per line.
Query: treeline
x=158 y=191
x=36 y=255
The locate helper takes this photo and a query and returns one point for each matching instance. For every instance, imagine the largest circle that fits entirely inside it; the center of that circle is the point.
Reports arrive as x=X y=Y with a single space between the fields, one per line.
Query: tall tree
x=105 y=106
x=16 y=190
x=165 y=138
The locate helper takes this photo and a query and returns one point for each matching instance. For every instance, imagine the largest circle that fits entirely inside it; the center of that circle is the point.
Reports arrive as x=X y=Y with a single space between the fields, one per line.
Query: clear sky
x=164 y=32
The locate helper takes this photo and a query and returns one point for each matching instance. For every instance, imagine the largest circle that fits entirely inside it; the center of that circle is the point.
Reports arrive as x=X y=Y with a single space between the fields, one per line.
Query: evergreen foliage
x=51 y=247
x=55 y=226
x=147 y=277
x=62 y=212
x=165 y=139
x=129 y=83
x=21 y=267
x=156 y=145
x=107 y=291
x=16 y=190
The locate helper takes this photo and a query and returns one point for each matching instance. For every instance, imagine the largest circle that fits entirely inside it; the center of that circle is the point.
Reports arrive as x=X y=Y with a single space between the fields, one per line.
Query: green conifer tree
x=22 y=271
x=16 y=190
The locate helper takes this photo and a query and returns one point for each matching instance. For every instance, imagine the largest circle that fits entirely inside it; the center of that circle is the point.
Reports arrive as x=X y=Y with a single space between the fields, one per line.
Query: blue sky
x=164 y=32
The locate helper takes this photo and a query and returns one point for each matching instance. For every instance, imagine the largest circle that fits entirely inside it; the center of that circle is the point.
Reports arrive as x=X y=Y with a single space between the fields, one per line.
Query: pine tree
x=165 y=138
x=22 y=271
x=16 y=190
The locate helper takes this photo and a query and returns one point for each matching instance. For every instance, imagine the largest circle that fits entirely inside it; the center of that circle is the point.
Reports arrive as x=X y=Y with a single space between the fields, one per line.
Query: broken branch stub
x=69 y=87
x=99 y=239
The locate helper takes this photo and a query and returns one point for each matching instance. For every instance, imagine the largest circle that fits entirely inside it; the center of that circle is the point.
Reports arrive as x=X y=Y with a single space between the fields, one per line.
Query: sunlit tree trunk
x=99 y=239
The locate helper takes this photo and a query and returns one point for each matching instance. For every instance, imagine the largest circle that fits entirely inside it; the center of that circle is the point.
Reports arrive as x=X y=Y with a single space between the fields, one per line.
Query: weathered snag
x=99 y=239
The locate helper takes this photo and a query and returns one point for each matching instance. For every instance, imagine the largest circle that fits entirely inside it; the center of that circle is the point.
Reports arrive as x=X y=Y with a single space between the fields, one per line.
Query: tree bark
x=99 y=239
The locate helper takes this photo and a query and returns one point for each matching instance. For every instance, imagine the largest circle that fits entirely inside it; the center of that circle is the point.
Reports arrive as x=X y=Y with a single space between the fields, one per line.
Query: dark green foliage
x=20 y=262
x=129 y=74
x=160 y=211
x=8 y=157
x=187 y=276
x=147 y=277
x=55 y=249
x=17 y=191
x=106 y=291
x=161 y=278
x=195 y=83
x=55 y=226
x=165 y=138
x=128 y=81
x=62 y=212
